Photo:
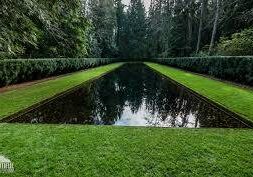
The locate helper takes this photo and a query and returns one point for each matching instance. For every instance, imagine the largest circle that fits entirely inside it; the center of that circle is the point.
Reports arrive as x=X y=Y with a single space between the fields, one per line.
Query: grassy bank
x=236 y=99
x=51 y=150
x=16 y=100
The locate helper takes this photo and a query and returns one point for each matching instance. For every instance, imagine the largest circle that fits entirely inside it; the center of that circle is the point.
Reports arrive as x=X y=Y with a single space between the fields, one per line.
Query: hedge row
x=236 y=69
x=20 y=70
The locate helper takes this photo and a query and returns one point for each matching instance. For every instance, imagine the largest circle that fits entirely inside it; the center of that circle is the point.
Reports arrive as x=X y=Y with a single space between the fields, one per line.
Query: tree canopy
x=108 y=28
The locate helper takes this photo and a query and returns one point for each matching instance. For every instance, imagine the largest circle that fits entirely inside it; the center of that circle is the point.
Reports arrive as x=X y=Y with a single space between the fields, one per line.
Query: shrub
x=20 y=70
x=239 y=44
x=236 y=69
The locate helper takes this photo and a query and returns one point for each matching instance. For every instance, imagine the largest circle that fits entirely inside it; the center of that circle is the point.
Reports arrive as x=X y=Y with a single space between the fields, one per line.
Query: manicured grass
x=16 y=100
x=81 y=150
x=236 y=99
x=69 y=150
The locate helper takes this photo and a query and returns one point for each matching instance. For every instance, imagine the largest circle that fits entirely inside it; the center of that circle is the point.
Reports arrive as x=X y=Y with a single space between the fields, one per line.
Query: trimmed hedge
x=20 y=70
x=236 y=69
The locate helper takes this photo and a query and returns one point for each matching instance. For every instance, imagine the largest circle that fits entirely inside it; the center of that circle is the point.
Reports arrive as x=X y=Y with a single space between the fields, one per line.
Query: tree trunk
x=190 y=25
x=215 y=25
x=201 y=25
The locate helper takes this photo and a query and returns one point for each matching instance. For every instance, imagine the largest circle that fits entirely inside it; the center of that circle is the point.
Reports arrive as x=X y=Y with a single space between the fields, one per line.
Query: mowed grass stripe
x=17 y=100
x=234 y=98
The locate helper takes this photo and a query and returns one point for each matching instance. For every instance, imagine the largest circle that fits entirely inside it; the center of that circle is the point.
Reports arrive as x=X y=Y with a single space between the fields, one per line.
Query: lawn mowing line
x=51 y=98
x=217 y=105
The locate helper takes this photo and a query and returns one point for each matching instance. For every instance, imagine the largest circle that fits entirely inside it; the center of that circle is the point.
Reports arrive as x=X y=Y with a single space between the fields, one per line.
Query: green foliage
x=237 y=15
x=20 y=70
x=179 y=28
x=102 y=15
x=121 y=40
x=240 y=44
x=136 y=30
x=107 y=28
x=39 y=28
x=237 y=69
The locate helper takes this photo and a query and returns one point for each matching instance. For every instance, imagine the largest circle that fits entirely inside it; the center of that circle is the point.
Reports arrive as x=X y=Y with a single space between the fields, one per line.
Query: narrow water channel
x=133 y=95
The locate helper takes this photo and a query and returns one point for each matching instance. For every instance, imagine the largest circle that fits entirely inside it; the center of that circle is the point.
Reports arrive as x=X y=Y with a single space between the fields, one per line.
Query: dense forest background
x=108 y=28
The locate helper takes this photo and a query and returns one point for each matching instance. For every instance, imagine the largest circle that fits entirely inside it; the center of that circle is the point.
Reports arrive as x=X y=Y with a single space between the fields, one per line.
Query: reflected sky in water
x=133 y=95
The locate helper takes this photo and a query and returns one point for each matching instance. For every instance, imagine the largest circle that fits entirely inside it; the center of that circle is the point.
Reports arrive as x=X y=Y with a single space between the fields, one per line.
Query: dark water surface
x=131 y=96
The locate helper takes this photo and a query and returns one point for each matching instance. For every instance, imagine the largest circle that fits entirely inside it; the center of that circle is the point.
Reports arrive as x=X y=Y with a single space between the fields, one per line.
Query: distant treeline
x=107 y=28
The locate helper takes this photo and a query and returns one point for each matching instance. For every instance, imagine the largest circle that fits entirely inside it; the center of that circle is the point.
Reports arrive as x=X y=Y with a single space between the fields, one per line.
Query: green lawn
x=82 y=150
x=69 y=150
x=16 y=100
x=236 y=99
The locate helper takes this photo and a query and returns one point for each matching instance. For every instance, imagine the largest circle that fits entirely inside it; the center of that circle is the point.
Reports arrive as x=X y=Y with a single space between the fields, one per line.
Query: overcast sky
x=146 y=2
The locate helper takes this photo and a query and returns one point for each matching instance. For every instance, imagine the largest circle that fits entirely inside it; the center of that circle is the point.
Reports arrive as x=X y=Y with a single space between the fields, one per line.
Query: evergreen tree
x=121 y=35
x=38 y=28
x=102 y=15
x=155 y=28
x=136 y=30
x=107 y=28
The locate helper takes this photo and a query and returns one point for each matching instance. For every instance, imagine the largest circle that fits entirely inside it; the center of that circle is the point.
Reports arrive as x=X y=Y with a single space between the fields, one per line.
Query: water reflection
x=131 y=96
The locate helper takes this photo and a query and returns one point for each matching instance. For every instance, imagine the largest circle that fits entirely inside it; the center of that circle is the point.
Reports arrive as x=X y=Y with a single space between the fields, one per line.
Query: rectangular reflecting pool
x=132 y=95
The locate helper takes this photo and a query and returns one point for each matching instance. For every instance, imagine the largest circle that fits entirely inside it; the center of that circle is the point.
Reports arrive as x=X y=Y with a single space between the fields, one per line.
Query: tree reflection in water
x=132 y=96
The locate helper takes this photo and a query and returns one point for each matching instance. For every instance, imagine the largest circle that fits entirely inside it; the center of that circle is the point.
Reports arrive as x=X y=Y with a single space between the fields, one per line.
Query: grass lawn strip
x=72 y=150
x=16 y=100
x=234 y=98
